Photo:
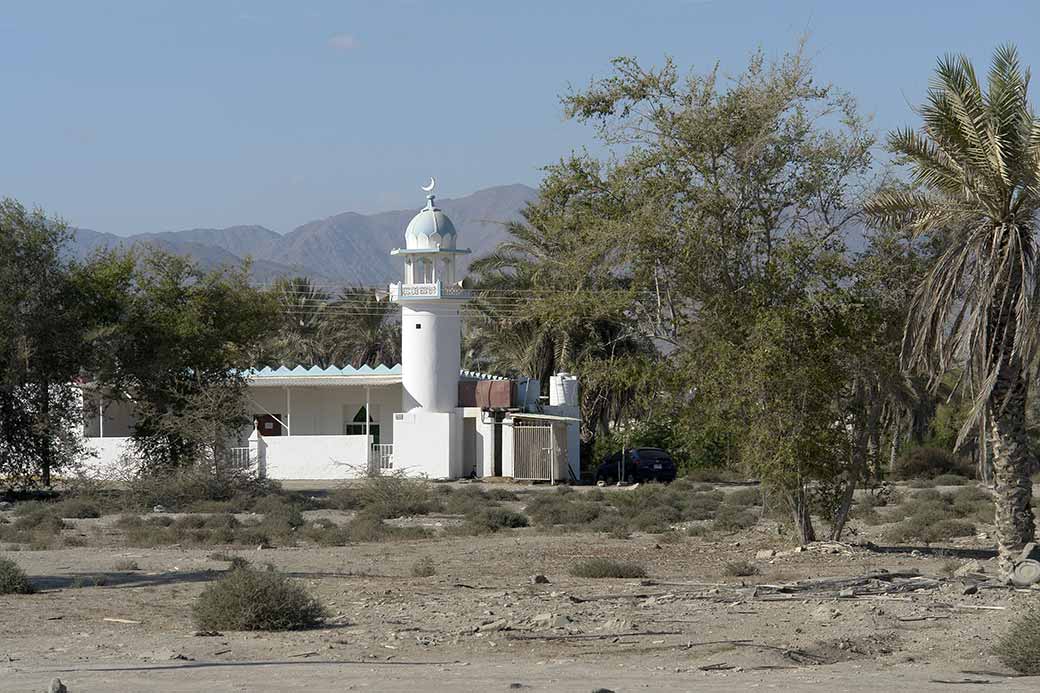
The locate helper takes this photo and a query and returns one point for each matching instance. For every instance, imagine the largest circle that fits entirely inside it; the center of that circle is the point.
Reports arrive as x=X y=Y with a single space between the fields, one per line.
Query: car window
x=654 y=455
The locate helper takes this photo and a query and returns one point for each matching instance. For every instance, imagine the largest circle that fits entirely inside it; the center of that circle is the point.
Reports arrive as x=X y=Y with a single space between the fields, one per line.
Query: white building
x=425 y=417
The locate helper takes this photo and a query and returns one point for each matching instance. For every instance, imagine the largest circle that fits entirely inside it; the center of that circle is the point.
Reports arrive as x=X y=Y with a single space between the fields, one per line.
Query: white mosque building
x=423 y=417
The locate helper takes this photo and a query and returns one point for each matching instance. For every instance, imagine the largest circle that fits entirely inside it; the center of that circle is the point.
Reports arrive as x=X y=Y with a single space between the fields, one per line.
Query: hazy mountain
x=347 y=247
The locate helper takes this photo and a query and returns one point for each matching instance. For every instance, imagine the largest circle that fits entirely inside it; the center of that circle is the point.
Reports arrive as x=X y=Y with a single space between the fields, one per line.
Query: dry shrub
x=424 y=567
x=743 y=497
x=249 y=599
x=13 y=579
x=395 y=495
x=198 y=487
x=326 y=533
x=490 y=520
x=368 y=527
x=740 y=569
x=951 y=480
x=607 y=568
x=928 y=463
x=126 y=565
x=1019 y=647
x=732 y=518
x=467 y=501
x=562 y=508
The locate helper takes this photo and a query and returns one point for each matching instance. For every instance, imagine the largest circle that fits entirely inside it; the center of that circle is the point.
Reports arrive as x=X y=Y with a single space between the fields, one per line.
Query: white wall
x=324 y=410
x=313 y=457
x=103 y=457
x=431 y=336
x=429 y=444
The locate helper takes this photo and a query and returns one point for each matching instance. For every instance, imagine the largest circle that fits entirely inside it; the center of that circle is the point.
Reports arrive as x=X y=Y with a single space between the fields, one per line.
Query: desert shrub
x=280 y=517
x=500 y=494
x=1019 y=647
x=395 y=495
x=326 y=533
x=249 y=599
x=730 y=518
x=494 y=519
x=128 y=521
x=701 y=530
x=40 y=520
x=950 y=480
x=548 y=509
x=185 y=488
x=703 y=505
x=928 y=463
x=77 y=508
x=743 y=497
x=607 y=568
x=612 y=524
x=740 y=569
x=654 y=507
x=467 y=501
x=671 y=537
x=424 y=567
x=126 y=565
x=13 y=579
x=369 y=527
x=929 y=524
x=345 y=498
x=655 y=520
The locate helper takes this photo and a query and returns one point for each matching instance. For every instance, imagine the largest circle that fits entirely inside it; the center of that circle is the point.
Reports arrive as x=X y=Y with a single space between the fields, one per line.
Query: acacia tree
x=50 y=308
x=976 y=162
x=180 y=353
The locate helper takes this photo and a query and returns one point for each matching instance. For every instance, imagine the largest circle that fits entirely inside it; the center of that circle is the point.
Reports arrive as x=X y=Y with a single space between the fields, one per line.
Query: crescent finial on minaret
x=429 y=188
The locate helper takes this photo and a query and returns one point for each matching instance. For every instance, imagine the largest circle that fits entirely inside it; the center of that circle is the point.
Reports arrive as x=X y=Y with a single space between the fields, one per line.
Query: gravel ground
x=481 y=624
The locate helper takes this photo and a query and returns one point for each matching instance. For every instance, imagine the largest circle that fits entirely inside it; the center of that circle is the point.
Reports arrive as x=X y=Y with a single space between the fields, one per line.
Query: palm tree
x=303 y=309
x=975 y=164
x=362 y=330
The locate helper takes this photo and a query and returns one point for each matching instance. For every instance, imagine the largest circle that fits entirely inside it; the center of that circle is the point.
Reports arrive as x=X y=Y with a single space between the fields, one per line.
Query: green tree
x=298 y=338
x=976 y=162
x=50 y=310
x=180 y=353
x=549 y=300
x=361 y=329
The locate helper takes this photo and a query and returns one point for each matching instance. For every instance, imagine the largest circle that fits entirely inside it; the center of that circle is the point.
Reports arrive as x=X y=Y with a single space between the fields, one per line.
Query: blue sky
x=147 y=116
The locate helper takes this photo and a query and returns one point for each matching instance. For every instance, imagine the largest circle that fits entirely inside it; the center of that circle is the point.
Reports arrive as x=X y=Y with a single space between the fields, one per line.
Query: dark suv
x=641 y=464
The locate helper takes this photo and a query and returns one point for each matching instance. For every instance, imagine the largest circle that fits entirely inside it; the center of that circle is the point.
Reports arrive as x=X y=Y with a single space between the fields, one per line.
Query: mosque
x=423 y=417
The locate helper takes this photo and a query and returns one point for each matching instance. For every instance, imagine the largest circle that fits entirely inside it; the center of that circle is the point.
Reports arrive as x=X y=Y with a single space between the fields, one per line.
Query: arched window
x=356 y=426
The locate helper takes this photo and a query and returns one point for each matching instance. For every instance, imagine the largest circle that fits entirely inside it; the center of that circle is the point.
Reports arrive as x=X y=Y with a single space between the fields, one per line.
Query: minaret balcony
x=431 y=291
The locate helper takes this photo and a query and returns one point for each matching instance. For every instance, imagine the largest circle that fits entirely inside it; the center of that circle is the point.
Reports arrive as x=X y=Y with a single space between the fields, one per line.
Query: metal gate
x=537 y=453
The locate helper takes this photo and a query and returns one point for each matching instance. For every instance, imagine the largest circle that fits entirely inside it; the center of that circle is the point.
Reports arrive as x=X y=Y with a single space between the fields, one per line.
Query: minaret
x=430 y=298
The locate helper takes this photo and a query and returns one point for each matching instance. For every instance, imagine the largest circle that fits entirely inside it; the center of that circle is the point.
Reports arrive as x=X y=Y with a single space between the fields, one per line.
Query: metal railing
x=239 y=457
x=383 y=457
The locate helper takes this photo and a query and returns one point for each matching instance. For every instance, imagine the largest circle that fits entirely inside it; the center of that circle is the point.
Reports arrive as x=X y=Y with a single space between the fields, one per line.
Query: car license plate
x=657 y=466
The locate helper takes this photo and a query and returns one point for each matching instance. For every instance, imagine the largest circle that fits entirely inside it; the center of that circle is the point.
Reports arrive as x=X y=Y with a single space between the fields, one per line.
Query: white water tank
x=563 y=390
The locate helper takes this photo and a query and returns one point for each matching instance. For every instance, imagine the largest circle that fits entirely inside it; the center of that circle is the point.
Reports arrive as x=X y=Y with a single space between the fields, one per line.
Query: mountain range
x=347 y=248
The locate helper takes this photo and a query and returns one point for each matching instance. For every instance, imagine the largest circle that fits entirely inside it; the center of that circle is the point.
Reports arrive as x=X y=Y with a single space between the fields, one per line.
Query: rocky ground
x=904 y=617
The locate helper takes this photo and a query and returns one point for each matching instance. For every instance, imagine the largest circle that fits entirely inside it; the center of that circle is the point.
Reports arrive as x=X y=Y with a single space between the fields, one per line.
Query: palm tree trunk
x=1011 y=463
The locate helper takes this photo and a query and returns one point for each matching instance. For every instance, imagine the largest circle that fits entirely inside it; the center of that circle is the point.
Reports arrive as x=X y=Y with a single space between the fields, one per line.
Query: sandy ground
x=480 y=624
